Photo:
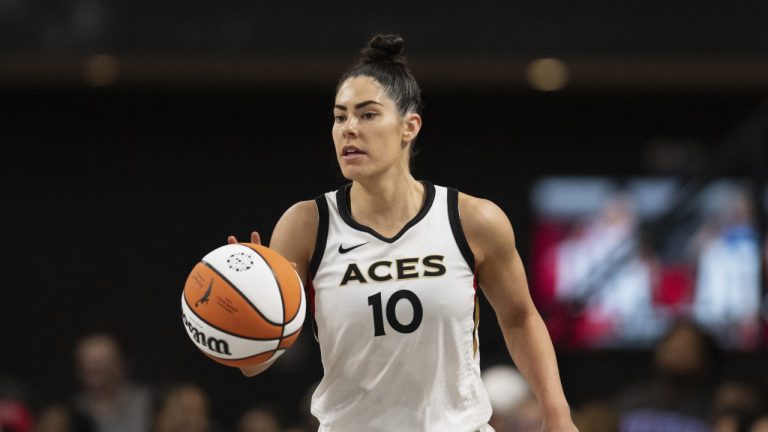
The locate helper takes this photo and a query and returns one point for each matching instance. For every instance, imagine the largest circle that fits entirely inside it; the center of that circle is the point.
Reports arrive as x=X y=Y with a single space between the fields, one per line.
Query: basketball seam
x=226 y=331
x=302 y=297
x=291 y=334
x=279 y=286
x=224 y=278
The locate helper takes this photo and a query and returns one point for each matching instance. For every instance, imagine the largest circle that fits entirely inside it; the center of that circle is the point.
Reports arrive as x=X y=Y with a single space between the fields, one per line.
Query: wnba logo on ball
x=216 y=345
x=240 y=261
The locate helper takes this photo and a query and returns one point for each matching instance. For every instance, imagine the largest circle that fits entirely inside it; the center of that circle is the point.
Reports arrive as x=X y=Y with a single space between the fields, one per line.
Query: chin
x=352 y=173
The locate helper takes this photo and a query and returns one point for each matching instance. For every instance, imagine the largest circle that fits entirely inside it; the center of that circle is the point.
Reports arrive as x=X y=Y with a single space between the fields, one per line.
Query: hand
x=255 y=238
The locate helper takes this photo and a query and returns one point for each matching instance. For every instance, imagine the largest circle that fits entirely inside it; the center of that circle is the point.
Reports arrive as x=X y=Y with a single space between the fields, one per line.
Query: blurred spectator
x=14 y=416
x=184 y=408
x=593 y=243
x=596 y=416
x=258 y=420
x=515 y=408
x=677 y=397
x=737 y=405
x=527 y=417
x=107 y=397
x=61 y=418
x=760 y=425
x=601 y=264
x=727 y=296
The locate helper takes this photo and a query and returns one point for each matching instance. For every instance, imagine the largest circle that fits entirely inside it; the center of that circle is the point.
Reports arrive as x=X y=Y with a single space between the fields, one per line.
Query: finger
x=231 y=240
x=294 y=266
x=255 y=238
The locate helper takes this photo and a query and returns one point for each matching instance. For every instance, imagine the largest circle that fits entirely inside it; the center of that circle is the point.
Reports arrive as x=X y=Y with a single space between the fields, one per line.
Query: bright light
x=101 y=70
x=547 y=74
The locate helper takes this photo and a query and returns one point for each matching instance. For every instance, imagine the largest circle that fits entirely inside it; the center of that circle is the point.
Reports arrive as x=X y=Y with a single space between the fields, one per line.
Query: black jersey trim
x=322 y=235
x=476 y=321
x=345 y=211
x=458 y=233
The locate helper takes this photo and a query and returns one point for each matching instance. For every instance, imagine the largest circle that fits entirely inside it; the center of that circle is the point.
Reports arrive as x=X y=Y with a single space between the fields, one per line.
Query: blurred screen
x=616 y=261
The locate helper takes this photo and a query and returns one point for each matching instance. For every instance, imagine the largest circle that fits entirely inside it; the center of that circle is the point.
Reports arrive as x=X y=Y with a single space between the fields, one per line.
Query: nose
x=349 y=129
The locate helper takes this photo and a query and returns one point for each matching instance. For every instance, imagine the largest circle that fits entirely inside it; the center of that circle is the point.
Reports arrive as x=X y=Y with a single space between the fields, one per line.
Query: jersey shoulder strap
x=458 y=233
x=322 y=235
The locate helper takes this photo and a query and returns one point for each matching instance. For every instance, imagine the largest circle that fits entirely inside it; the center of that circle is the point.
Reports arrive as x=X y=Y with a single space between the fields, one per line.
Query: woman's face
x=369 y=134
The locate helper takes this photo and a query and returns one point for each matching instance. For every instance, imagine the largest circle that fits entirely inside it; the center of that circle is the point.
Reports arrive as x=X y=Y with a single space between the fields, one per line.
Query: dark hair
x=383 y=60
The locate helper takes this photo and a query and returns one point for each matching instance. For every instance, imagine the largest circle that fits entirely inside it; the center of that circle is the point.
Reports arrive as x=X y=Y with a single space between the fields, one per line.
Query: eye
x=369 y=115
x=339 y=118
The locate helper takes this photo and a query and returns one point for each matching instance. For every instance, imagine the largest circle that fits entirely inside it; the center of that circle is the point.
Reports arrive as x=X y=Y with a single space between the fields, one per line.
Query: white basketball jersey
x=396 y=319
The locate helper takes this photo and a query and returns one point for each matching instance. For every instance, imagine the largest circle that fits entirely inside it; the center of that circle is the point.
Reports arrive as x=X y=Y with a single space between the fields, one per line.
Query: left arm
x=501 y=275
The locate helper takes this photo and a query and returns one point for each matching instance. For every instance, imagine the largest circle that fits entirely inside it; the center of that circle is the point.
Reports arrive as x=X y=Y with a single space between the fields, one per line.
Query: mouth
x=350 y=151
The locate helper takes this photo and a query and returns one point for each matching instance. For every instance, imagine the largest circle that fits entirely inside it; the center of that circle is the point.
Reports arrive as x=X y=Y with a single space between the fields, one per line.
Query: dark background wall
x=557 y=27
x=114 y=189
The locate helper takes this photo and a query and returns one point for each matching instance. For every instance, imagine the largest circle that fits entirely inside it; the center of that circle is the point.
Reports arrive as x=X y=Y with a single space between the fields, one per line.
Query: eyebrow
x=358 y=106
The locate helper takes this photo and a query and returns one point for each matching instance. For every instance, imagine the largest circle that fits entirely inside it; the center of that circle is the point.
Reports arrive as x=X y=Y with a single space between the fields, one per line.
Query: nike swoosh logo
x=343 y=250
x=204 y=298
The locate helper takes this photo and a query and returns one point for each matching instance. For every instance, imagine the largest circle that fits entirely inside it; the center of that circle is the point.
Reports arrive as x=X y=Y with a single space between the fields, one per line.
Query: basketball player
x=392 y=266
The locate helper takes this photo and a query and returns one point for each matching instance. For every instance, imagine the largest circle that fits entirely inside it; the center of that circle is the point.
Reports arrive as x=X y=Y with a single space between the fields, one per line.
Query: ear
x=412 y=126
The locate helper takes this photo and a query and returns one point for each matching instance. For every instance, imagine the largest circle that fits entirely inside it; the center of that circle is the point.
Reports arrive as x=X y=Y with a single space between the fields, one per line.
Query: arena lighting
x=101 y=70
x=547 y=74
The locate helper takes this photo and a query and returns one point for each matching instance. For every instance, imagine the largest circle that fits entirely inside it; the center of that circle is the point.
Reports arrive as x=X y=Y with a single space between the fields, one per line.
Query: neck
x=386 y=205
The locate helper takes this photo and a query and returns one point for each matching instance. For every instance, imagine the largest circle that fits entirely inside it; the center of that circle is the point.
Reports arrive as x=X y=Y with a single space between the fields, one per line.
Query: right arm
x=294 y=238
x=295 y=234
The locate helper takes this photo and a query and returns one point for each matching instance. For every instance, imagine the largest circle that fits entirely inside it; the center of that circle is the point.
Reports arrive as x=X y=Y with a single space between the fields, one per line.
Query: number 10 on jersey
x=375 y=303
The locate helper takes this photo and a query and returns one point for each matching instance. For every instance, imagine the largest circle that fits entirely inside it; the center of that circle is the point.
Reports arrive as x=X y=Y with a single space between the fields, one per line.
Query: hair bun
x=384 y=48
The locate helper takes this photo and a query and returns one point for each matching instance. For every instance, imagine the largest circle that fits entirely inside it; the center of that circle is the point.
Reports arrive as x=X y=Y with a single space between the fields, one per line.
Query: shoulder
x=479 y=209
x=296 y=230
x=302 y=212
x=480 y=216
x=295 y=234
x=485 y=225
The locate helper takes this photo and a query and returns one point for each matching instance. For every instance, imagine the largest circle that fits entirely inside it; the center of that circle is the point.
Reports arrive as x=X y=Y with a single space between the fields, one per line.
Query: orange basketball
x=243 y=305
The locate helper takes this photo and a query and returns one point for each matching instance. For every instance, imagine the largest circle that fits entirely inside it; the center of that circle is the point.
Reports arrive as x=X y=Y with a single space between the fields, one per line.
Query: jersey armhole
x=458 y=233
x=322 y=235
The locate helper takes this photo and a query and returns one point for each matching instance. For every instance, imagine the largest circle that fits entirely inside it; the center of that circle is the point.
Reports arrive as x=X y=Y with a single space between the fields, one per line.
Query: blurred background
x=627 y=142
